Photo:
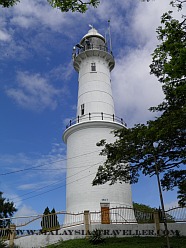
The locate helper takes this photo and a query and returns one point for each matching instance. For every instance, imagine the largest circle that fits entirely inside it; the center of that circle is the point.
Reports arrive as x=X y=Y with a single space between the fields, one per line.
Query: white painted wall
x=83 y=160
x=95 y=87
x=119 y=230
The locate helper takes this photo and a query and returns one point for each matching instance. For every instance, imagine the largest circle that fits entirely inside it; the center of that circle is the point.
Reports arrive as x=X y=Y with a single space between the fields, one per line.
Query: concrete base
x=109 y=230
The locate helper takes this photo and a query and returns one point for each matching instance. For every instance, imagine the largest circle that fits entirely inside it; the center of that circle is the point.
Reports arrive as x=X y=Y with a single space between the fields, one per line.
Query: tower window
x=93 y=66
x=82 y=109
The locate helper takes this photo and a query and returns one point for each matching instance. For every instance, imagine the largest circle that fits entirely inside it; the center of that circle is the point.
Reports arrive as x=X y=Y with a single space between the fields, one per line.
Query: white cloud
x=28 y=186
x=145 y=20
x=14 y=162
x=10 y=196
x=26 y=169
x=4 y=36
x=134 y=89
x=171 y=205
x=25 y=210
x=66 y=121
x=27 y=24
x=34 y=92
x=63 y=72
x=27 y=14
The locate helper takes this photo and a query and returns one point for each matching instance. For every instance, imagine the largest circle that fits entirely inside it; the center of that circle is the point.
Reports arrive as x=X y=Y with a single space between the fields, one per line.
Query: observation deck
x=99 y=116
x=88 y=50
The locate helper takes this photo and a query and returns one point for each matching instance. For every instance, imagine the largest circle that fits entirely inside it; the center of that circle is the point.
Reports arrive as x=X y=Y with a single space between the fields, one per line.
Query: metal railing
x=38 y=224
x=118 y=215
x=95 y=117
x=177 y=214
x=54 y=222
x=92 y=47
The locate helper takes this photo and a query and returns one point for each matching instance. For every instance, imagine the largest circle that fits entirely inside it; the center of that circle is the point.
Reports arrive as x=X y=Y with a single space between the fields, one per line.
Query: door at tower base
x=105 y=213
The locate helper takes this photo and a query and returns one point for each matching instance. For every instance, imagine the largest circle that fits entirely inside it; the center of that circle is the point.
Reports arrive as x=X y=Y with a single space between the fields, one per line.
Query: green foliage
x=143 y=213
x=3 y=244
x=8 y=3
x=132 y=242
x=182 y=194
x=7 y=210
x=74 y=6
x=160 y=142
x=178 y=4
x=46 y=211
x=63 y=5
x=169 y=63
x=49 y=220
x=143 y=207
x=96 y=237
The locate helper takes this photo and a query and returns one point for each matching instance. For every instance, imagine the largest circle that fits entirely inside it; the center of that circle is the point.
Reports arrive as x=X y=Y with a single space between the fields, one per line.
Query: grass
x=129 y=242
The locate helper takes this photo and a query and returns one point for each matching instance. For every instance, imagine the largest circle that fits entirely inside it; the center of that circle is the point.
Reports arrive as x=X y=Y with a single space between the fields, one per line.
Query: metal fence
x=177 y=214
x=38 y=224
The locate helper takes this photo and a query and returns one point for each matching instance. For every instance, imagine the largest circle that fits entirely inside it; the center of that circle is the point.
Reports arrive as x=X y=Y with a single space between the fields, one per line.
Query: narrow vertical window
x=82 y=109
x=93 y=66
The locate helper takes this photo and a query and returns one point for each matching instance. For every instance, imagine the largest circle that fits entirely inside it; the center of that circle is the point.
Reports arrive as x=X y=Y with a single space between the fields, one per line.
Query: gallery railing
x=82 y=49
x=98 y=116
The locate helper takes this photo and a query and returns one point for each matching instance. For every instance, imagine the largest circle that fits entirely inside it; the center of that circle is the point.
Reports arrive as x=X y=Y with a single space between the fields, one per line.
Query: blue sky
x=38 y=92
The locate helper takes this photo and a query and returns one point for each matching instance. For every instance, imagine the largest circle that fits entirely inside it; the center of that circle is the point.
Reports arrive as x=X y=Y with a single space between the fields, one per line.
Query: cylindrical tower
x=94 y=121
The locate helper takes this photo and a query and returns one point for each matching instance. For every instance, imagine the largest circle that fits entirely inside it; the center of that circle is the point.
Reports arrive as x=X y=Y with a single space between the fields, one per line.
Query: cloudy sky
x=38 y=91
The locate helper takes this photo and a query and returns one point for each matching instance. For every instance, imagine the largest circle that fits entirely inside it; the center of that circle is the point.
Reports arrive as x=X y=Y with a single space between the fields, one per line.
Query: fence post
x=157 y=222
x=87 y=222
x=12 y=234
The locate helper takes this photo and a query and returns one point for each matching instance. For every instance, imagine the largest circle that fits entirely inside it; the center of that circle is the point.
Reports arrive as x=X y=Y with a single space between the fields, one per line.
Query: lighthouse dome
x=93 y=39
x=92 y=32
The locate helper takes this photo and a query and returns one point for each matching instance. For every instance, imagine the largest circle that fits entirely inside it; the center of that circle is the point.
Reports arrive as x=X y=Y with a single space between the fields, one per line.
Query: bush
x=3 y=244
x=96 y=237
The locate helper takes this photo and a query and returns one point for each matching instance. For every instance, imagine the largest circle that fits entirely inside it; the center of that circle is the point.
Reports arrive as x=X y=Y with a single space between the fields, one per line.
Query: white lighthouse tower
x=94 y=121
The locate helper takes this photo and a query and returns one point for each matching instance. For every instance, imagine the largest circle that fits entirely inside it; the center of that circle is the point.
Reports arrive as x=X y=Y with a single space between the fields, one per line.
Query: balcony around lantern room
x=87 y=50
x=81 y=48
x=98 y=116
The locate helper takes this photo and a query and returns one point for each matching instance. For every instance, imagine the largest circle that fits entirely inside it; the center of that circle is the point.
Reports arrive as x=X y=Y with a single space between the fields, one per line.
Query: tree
x=8 y=3
x=49 y=220
x=143 y=207
x=143 y=213
x=160 y=143
x=71 y=5
x=7 y=209
x=55 y=224
x=169 y=63
x=182 y=194
x=45 y=223
x=63 y=5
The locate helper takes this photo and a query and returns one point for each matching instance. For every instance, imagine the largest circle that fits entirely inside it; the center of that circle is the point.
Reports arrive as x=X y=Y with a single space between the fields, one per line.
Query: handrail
x=122 y=214
x=96 y=116
x=92 y=47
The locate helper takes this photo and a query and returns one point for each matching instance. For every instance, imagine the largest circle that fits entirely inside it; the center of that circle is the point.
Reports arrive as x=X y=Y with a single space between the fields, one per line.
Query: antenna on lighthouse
x=110 y=39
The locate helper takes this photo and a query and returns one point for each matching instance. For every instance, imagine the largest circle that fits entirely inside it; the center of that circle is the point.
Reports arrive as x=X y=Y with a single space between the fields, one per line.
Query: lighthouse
x=94 y=121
